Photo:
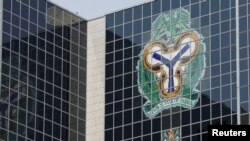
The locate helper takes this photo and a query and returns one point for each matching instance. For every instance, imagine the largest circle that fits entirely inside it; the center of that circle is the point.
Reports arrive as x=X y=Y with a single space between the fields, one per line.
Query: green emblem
x=171 y=64
x=172 y=135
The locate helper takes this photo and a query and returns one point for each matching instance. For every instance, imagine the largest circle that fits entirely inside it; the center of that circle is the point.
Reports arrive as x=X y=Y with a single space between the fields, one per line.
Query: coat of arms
x=173 y=135
x=171 y=64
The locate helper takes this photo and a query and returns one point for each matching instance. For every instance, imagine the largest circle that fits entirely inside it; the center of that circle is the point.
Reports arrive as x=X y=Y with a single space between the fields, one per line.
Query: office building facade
x=175 y=66
x=160 y=71
x=43 y=72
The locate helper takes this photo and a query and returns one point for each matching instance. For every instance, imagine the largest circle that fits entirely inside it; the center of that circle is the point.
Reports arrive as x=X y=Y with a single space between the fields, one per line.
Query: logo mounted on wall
x=173 y=135
x=172 y=64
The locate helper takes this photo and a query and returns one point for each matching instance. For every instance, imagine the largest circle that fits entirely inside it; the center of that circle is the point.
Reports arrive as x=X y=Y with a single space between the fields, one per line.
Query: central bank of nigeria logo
x=171 y=64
